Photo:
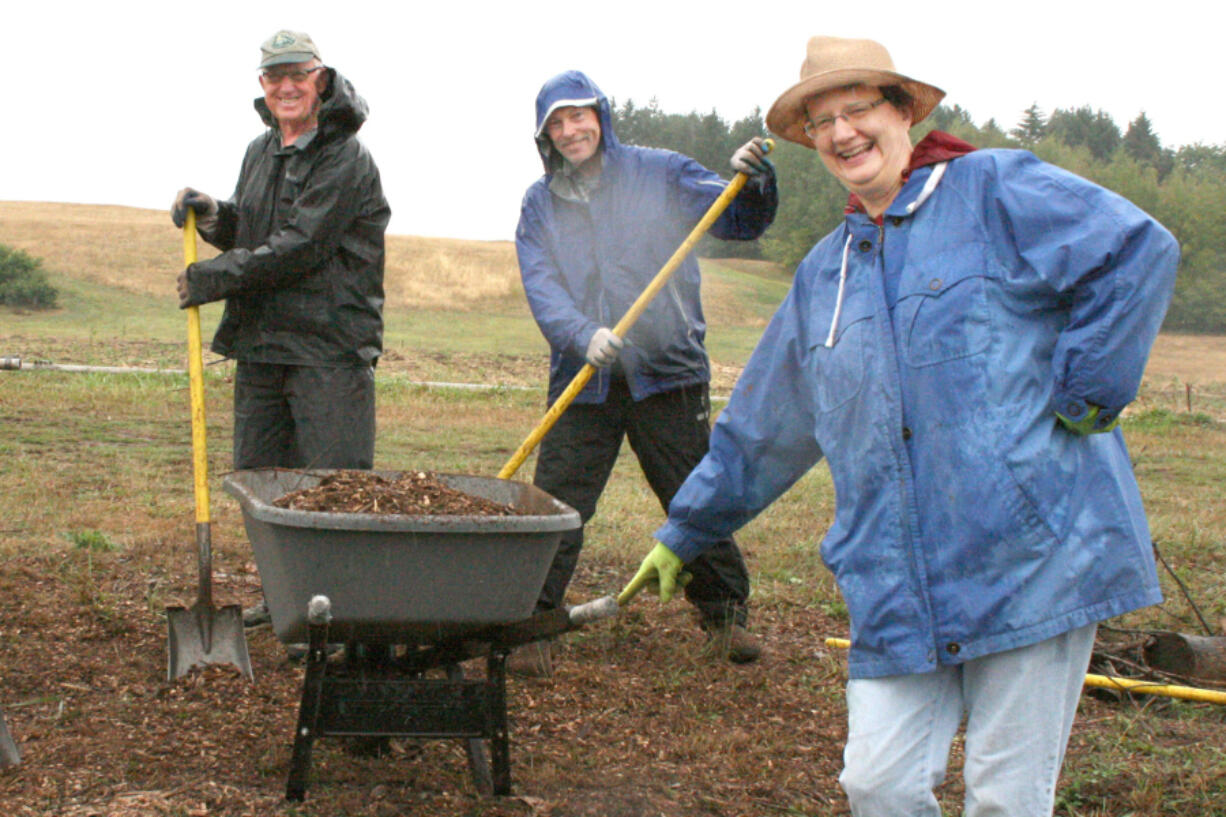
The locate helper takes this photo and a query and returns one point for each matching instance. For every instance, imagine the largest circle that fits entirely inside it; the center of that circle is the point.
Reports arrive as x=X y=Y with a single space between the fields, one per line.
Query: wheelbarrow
x=10 y=755
x=407 y=594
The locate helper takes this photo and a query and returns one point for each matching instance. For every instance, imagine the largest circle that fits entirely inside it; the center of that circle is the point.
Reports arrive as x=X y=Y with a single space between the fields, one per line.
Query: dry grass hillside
x=140 y=251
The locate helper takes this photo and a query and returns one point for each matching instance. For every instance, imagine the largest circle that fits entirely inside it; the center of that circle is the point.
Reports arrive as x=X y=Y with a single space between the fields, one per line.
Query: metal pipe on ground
x=15 y=363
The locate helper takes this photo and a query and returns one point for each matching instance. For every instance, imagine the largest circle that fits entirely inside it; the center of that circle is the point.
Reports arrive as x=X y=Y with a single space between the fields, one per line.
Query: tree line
x=1184 y=188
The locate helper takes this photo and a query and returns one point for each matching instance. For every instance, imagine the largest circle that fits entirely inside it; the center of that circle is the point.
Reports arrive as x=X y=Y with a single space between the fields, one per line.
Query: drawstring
x=938 y=171
x=838 y=304
x=930 y=185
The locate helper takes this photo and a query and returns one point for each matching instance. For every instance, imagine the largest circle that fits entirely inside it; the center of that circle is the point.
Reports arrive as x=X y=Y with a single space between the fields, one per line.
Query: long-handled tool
x=10 y=755
x=202 y=634
x=628 y=320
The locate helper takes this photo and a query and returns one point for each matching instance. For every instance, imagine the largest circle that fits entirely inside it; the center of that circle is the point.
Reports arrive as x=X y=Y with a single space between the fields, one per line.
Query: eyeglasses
x=852 y=113
x=296 y=76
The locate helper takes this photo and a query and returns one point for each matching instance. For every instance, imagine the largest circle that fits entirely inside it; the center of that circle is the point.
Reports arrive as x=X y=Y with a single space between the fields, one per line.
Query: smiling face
x=575 y=132
x=866 y=153
x=292 y=92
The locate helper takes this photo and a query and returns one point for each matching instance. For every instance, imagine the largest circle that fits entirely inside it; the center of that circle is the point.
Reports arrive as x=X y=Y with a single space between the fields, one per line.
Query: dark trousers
x=669 y=433
x=303 y=416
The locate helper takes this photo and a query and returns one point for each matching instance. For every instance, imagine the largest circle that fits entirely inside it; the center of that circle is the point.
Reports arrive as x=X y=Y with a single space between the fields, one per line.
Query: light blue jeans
x=1019 y=708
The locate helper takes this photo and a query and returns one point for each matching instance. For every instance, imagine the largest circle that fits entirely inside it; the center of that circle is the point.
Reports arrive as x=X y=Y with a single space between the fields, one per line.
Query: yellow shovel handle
x=623 y=326
x=195 y=370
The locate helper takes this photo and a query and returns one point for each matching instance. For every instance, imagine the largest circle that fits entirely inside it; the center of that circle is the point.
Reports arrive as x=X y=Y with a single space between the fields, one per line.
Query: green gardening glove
x=661 y=572
x=1086 y=424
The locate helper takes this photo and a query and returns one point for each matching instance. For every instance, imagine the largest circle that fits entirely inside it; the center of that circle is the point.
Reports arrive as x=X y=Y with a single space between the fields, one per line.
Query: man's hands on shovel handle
x=661 y=573
x=603 y=348
x=750 y=158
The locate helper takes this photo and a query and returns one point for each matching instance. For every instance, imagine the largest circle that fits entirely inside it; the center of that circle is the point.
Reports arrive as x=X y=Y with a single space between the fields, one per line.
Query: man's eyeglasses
x=852 y=113
x=296 y=76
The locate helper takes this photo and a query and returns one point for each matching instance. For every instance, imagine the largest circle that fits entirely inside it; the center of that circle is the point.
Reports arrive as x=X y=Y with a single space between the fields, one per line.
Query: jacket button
x=953 y=648
x=934 y=284
x=866 y=245
x=906 y=432
x=896 y=221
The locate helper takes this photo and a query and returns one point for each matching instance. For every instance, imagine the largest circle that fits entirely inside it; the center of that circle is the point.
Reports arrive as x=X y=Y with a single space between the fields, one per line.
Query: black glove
x=202 y=203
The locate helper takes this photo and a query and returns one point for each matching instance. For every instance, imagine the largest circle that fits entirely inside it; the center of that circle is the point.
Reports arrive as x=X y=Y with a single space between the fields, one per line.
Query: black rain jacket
x=302 y=239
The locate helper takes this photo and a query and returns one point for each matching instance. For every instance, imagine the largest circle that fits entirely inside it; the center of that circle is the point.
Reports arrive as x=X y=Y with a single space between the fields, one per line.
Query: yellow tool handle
x=1122 y=684
x=623 y=326
x=195 y=370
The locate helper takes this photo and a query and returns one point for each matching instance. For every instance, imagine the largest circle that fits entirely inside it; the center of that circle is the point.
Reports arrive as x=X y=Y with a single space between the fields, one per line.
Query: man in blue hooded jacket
x=593 y=232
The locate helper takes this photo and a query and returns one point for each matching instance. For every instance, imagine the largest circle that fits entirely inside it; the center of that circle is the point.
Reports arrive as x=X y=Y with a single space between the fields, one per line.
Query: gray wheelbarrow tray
x=396 y=578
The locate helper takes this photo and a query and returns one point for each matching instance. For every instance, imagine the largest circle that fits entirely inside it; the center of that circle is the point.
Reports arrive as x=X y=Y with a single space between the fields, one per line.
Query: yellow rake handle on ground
x=1120 y=684
x=623 y=326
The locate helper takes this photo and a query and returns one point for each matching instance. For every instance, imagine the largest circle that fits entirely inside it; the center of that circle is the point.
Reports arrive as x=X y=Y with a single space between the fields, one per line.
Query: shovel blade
x=202 y=635
x=9 y=753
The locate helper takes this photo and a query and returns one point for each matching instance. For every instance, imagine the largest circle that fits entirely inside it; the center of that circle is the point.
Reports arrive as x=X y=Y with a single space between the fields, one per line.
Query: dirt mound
x=412 y=493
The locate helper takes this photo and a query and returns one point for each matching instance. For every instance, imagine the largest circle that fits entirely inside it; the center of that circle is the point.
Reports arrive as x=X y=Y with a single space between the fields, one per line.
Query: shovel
x=9 y=754
x=628 y=320
x=202 y=634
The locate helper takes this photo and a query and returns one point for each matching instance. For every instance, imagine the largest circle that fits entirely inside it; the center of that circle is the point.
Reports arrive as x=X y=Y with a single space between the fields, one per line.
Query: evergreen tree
x=1145 y=147
x=1140 y=142
x=1082 y=127
x=1032 y=126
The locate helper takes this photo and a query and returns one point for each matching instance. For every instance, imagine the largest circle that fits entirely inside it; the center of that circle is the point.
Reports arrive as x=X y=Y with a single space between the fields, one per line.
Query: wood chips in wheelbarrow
x=413 y=493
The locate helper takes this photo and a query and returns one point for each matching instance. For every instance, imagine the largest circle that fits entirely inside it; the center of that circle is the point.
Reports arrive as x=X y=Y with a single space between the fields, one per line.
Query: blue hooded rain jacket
x=584 y=263
x=925 y=358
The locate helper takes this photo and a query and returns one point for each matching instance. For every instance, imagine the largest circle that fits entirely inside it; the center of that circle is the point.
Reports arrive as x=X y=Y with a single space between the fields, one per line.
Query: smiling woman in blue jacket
x=959 y=350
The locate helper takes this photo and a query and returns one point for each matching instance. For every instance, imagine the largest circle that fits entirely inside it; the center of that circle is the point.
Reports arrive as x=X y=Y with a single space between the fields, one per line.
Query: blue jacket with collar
x=968 y=521
x=584 y=264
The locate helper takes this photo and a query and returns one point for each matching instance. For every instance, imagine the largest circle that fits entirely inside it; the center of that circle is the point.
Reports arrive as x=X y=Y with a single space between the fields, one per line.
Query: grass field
x=96 y=539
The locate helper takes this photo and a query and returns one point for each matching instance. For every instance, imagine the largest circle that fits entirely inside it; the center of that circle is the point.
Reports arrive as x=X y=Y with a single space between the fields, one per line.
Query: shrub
x=22 y=280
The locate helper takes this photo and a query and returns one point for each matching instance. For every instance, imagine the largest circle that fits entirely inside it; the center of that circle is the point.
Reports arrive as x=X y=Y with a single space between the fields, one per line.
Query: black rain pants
x=670 y=434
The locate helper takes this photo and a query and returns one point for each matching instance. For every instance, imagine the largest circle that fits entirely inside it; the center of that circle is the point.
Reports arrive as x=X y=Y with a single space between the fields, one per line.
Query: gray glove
x=202 y=203
x=602 y=349
x=750 y=158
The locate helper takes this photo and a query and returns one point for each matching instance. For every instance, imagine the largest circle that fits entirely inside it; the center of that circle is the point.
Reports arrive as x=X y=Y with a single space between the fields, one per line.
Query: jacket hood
x=341 y=110
x=567 y=89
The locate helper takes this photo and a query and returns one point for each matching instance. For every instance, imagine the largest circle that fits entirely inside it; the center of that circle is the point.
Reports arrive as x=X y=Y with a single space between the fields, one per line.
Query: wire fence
x=1182 y=398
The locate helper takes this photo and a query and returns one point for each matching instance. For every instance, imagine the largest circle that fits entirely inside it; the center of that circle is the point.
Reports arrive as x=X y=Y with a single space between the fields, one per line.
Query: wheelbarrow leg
x=496 y=671
x=308 y=711
x=10 y=755
x=478 y=758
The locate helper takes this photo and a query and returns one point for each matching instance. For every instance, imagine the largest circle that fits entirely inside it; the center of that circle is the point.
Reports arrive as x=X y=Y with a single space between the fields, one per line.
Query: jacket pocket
x=840 y=368
x=949 y=315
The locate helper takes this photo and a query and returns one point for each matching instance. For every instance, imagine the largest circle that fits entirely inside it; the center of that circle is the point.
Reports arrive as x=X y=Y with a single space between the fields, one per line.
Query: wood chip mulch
x=413 y=493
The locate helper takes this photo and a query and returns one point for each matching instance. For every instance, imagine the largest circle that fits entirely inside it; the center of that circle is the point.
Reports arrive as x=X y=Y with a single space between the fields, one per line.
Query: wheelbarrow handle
x=586 y=613
x=628 y=320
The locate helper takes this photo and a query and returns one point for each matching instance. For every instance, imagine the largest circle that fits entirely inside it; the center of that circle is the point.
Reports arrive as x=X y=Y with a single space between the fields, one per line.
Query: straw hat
x=834 y=62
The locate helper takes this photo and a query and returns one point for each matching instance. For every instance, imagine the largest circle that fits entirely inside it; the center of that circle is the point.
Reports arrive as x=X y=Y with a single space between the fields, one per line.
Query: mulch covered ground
x=637 y=722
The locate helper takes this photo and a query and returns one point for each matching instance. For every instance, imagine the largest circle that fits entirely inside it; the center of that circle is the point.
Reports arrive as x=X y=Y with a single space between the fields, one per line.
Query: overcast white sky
x=125 y=102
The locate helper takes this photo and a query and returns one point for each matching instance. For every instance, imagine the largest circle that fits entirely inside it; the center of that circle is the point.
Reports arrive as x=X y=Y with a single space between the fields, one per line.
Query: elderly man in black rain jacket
x=301 y=271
